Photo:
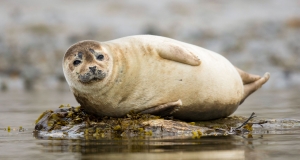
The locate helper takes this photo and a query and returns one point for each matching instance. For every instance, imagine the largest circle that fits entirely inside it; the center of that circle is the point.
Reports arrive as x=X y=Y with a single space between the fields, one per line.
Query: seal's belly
x=213 y=86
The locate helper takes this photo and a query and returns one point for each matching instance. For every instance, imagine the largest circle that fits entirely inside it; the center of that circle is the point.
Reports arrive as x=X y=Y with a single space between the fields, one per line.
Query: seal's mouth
x=91 y=76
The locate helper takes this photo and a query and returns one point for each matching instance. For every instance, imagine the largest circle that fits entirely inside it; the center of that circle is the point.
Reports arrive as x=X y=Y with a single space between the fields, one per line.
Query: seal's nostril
x=93 y=69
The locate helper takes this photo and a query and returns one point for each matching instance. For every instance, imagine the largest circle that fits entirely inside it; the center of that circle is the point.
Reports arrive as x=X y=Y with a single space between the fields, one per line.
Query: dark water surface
x=21 y=109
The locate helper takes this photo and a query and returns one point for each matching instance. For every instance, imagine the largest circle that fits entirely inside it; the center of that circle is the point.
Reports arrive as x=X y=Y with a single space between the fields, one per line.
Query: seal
x=155 y=75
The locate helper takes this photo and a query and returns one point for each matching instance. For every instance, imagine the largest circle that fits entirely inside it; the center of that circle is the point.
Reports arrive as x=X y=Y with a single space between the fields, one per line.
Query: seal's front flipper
x=164 y=109
x=177 y=53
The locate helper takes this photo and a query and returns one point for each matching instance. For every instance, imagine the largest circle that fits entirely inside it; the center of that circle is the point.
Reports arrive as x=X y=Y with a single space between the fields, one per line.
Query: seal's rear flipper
x=164 y=109
x=246 y=77
x=252 y=87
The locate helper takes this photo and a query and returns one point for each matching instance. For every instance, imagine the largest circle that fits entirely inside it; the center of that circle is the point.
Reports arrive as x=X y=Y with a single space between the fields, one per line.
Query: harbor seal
x=155 y=75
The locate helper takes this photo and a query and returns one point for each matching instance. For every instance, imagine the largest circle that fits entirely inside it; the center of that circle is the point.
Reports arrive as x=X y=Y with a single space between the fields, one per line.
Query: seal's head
x=84 y=63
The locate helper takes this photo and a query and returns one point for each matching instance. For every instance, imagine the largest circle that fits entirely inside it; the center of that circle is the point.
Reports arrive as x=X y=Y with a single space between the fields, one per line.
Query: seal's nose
x=93 y=69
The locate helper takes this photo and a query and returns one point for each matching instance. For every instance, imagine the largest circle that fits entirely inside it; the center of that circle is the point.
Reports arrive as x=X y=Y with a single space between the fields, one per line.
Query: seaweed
x=68 y=119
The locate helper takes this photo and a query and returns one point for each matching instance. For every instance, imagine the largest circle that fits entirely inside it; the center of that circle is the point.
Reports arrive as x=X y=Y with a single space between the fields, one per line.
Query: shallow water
x=21 y=109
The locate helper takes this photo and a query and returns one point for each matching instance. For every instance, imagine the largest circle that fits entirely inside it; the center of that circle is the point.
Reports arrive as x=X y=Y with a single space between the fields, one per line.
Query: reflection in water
x=140 y=145
x=230 y=147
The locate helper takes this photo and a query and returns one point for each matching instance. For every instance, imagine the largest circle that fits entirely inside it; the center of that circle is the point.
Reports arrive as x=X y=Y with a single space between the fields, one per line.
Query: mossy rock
x=73 y=122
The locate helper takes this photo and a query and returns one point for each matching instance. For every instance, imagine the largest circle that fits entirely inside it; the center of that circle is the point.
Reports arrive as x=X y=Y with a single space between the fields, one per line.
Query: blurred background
x=256 y=36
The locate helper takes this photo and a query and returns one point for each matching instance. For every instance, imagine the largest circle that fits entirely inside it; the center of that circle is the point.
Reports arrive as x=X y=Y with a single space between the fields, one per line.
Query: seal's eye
x=100 y=57
x=76 y=62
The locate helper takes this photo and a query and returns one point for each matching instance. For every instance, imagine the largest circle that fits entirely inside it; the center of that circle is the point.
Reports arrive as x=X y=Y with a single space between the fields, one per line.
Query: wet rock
x=68 y=122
